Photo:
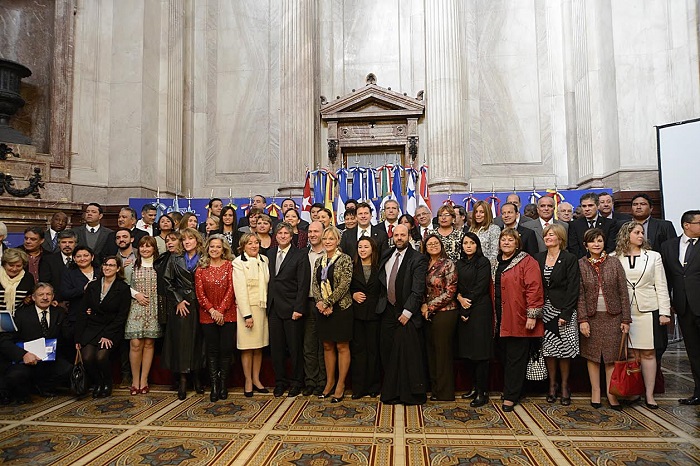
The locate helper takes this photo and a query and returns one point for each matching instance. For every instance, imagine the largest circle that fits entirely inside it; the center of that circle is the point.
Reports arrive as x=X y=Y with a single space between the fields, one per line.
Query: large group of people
x=387 y=308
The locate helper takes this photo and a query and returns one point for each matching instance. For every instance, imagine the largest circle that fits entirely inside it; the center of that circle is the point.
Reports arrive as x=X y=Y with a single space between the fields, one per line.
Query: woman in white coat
x=250 y=277
x=649 y=300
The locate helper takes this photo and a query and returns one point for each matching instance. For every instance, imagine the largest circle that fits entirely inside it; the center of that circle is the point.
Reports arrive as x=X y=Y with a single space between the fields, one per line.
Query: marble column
x=445 y=145
x=299 y=119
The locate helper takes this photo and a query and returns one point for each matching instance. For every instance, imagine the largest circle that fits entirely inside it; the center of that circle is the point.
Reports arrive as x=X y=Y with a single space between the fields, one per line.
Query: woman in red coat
x=214 y=286
x=518 y=298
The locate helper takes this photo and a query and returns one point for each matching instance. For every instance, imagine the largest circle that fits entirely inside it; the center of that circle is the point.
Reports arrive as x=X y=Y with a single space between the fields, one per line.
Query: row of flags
x=334 y=188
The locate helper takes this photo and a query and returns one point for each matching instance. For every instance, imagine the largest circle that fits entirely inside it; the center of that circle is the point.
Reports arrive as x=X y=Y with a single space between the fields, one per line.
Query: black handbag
x=78 y=380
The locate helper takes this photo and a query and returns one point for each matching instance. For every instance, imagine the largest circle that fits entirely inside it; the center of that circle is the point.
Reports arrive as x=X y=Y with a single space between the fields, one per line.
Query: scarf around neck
x=10 y=286
x=326 y=289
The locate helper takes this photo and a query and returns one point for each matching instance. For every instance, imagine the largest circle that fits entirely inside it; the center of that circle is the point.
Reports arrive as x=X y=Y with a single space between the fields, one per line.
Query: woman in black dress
x=561 y=279
x=475 y=325
x=100 y=327
x=331 y=289
x=183 y=345
x=365 y=288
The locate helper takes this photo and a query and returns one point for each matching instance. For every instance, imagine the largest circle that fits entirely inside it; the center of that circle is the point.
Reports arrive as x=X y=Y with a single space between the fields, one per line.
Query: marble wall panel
x=650 y=59
x=27 y=37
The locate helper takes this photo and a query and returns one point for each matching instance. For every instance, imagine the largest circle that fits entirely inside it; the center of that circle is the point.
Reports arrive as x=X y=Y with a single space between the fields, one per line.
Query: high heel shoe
x=565 y=400
x=651 y=405
x=596 y=405
x=337 y=399
x=260 y=390
x=248 y=394
x=552 y=394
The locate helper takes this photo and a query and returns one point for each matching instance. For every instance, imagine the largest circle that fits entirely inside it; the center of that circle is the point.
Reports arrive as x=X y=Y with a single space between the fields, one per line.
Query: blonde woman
x=15 y=283
x=488 y=232
x=331 y=288
x=251 y=275
x=649 y=300
x=217 y=311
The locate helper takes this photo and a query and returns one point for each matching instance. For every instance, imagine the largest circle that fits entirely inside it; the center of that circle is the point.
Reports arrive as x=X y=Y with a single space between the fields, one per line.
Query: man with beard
x=402 y=275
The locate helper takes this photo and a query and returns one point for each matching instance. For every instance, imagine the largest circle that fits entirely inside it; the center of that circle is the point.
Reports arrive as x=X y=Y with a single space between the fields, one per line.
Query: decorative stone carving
x=11 y=74
x=7 y=183
x=372 y=117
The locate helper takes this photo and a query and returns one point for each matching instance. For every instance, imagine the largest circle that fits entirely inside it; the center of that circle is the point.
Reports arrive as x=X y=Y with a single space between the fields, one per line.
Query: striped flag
x=423 y=192
x=306 y=199
x=411 y=201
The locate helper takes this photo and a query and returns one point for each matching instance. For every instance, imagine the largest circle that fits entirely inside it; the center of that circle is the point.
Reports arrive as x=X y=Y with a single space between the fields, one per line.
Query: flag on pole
x=534 y=196
x=319 y=185
x=411 y=201
x=342 y=193
x=356 y=182
x=306 y=199
x=371 y=191
x=329 y=194
x=387 y=192
x=423 y=193
x=396 y=187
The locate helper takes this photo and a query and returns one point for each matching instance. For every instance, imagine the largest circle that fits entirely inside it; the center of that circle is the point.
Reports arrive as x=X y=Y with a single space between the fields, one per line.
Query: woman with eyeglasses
x=101 y=327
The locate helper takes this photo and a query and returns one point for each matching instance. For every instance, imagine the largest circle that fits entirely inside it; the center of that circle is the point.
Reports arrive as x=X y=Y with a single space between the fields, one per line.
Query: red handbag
x=626 y=378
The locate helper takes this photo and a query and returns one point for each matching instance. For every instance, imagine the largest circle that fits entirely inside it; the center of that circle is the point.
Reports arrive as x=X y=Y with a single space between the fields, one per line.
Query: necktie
x=69 y=262
x=546 y=224
x=363 y=233
x=280 y=259
x=425 y=233
x=391 y=231
x=92 y=230
x=44 y=323
x=391 y=283
x=689 y=251
x=591 y=224
x=54 y=241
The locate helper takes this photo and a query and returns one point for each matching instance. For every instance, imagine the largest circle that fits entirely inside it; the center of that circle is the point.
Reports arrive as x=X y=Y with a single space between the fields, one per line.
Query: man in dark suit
x=605 y=209
x=33 y=321
x=509 y=214
x=214 y=207
x=402 y=275
x=348 y=242
x=513 y=198
x=681 y=258
x=545 y=213
x=58 y=223
x=93 y=234
x=127 y=219
x=656 y=231
x=287 y=293
x=55 y=264
x=590 y=219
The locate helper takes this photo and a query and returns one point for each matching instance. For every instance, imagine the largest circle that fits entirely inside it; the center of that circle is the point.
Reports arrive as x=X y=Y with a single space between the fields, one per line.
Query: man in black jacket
x=402 y=275
x=656 y=231
x=287 y=293
x=93 y=234
x=34 y=321
x=348 y=242
x=591 y=219
x=55 y=264
x=509 y=215
x=681 y=258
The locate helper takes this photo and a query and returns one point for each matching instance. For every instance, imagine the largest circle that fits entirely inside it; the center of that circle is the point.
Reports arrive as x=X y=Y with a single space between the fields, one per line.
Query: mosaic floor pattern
x=158 y=429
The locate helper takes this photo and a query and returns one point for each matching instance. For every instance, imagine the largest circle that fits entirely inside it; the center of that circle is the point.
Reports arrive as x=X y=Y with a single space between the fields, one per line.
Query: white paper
x=37 y=347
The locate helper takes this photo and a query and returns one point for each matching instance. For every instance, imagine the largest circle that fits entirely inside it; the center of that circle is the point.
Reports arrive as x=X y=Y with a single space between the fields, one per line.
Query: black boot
x=197 y=383
x=223 y=377
x=182 y=388
x=213 y=367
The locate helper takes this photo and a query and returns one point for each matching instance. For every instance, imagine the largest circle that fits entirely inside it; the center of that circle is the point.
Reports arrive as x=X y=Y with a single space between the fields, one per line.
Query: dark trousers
x=96 y=362
x=513 y=352
x=47 y=375
x=314 y=365
x=287 y=334
x=364 y=348
x=480 y=374
x=690 y=326
x=439 y=335
x=219 y=340
x=124 y=362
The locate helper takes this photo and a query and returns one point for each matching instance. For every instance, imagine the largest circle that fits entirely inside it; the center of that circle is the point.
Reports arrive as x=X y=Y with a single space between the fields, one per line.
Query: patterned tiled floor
x=157 y=429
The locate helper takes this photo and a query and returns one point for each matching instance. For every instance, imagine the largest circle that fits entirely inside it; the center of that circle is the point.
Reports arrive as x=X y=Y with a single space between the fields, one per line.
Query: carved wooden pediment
x=373 y=102
x=373 y=116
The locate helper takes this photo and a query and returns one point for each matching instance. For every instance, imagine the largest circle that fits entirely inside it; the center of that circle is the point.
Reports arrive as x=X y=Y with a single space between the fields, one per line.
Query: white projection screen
x=678 y=145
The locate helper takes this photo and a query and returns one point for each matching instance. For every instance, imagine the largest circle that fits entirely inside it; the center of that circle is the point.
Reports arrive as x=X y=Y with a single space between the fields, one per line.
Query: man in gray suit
x=545 y=211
